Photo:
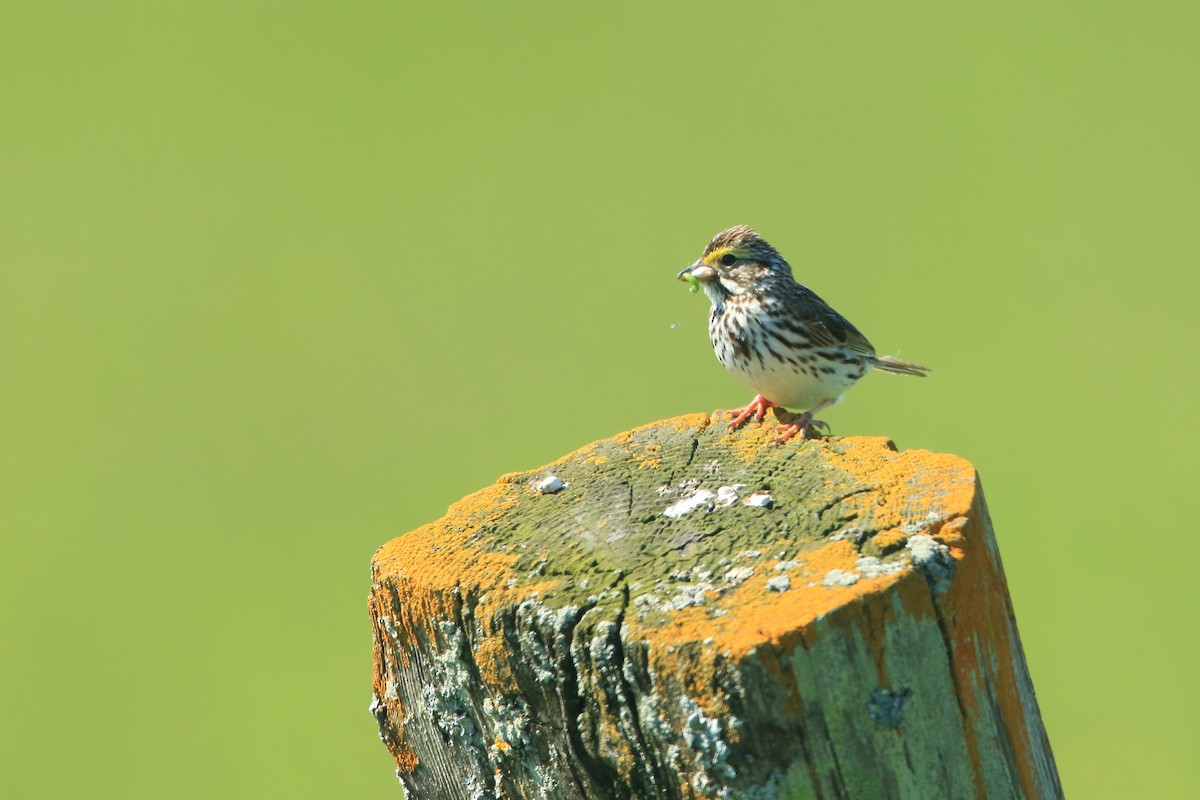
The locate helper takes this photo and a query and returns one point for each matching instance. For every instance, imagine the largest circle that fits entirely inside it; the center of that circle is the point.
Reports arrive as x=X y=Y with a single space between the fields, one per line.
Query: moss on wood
x=703 y=614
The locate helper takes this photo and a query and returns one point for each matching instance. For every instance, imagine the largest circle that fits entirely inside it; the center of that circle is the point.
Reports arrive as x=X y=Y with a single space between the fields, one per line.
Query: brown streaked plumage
x=777 y=336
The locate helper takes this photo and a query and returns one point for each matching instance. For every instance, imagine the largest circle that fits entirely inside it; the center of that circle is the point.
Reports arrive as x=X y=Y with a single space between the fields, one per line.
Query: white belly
x=794 y=380
x=793 y=387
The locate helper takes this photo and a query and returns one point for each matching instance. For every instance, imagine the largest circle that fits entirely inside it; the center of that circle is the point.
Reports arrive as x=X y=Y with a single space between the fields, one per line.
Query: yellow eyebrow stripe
x=715 y=255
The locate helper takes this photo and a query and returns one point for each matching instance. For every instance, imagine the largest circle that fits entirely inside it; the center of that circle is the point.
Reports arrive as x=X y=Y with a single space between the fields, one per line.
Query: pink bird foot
x=758 y=406
x=805 y=427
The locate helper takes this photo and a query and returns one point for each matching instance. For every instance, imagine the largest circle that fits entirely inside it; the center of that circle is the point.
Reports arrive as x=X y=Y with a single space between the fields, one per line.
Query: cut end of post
x=672 y=599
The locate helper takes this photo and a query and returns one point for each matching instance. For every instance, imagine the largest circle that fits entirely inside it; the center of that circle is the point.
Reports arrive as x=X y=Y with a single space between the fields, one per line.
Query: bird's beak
x=698 y=271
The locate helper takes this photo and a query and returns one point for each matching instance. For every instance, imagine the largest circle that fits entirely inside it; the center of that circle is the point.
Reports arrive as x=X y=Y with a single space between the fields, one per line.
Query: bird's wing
x=826 y=327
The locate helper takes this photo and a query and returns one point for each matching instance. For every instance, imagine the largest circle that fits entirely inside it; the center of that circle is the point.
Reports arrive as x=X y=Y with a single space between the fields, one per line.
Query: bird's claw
x=756 y=407
x=806 y=427
x=803 y=425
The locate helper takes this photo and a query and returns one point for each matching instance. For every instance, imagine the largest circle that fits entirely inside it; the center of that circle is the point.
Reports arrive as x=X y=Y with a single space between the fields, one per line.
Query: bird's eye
x=728 y=260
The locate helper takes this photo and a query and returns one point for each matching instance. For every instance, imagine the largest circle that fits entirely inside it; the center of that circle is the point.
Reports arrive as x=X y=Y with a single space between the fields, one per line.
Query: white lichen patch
x=933 y=559
x=853 y=534
x=759 y=500
x=389 y=626
x=602 y=648
x=872 y=567
x=738 y=575
x=551 y=484
x=698 y=499
x=653 y=720
x=728 y=495
x=644 y=603
x=779 y=583
x=545 y=780
x=533 y=617
x=708 y=740
x=695 y=595
x=840 y=577
x=447 y=696
x=692 y=497
x=510 y=721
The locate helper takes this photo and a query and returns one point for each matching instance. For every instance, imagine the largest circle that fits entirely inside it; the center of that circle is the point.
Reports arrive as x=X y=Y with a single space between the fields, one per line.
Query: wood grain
x=643 y=632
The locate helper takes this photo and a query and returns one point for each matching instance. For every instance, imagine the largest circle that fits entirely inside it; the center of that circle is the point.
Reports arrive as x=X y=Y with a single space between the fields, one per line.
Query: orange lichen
x=625 y=441
x=425 y=566
x=492 y=658
x=907 y=486
x=889 y=539
x=984 y=619
x=618 y=745
x=650 y=458
x=748 y=441
x=406 y=759
x=918 y=483
x=440 y=554
x=756 y=615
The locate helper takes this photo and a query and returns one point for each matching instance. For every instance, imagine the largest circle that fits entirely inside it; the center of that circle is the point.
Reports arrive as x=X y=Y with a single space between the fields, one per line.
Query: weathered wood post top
x=683 y=612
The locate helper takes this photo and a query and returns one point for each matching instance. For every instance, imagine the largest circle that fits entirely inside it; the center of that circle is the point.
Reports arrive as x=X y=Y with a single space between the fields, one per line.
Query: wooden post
x=698 y=614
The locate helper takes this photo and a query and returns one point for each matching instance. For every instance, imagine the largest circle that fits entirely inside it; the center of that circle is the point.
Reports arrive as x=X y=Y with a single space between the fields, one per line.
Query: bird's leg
x=758 y=406
x=804 y=425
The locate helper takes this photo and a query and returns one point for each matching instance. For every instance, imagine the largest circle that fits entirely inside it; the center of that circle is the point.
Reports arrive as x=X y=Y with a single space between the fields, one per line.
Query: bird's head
x=735 y=260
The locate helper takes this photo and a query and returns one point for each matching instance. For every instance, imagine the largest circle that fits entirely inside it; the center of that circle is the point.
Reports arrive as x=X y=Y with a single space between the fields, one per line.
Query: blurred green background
x=280 y=281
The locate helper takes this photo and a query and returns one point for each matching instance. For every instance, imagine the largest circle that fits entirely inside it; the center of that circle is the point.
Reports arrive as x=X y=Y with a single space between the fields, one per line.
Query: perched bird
x=776 y=336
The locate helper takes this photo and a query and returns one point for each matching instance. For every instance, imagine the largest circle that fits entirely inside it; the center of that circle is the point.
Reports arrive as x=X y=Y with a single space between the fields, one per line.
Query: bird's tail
x=890 y=364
